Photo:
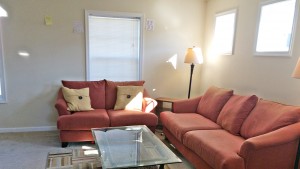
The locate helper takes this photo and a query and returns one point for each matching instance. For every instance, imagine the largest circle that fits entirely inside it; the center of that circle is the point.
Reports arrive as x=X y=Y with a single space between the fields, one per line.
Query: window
x=113 y=46
x=276 y=28
x=2 y=74
x=224 y=32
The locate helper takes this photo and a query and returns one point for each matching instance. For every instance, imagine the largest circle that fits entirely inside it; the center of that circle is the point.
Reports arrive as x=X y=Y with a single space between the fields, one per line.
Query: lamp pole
x=191 y=76
x=193 y=56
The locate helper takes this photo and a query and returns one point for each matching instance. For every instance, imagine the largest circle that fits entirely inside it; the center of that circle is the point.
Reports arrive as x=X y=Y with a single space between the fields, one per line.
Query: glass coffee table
x=131 y=146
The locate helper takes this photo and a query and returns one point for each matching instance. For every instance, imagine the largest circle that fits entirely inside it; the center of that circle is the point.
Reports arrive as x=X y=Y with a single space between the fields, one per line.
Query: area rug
x=75 y=159
x=79 y=158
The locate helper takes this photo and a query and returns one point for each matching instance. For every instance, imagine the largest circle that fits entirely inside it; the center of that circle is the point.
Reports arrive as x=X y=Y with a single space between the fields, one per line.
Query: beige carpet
x=30 y=150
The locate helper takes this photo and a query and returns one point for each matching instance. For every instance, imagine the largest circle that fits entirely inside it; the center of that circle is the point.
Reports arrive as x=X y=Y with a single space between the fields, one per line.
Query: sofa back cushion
x=235 y=112
x=111 y=91
x=268 y=116
x=97 y=91
x=213 y=101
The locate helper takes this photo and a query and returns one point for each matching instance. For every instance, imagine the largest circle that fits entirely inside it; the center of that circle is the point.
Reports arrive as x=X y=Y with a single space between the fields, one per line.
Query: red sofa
x=76 y=126
x=222 y=130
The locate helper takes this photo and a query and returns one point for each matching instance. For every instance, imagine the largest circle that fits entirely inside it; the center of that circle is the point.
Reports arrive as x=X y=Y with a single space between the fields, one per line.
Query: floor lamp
x=296 y=74
x=193 y=56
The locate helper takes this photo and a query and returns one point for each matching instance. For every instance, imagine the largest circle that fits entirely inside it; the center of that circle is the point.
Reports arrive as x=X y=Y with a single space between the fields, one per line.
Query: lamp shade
x=194 y=56
x=296 y=73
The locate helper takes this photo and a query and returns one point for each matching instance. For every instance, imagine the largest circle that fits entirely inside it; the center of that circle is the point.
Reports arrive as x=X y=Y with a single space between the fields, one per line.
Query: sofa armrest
x=61 y=105
x=272 y=148
x=186 y=105
x=149 y=104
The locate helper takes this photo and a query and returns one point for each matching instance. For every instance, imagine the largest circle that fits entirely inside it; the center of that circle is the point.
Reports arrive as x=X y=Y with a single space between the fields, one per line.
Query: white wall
x=268 y=77
x=57 y=53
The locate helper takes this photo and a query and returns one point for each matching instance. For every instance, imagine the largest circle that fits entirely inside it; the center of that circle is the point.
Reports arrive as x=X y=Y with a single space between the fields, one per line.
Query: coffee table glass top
x=131 y=146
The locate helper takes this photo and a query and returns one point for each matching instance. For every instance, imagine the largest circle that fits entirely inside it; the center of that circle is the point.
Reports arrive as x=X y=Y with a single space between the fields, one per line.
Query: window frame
x=293 y=32
x=230 y=11
x=118 y=15
x=3 y=96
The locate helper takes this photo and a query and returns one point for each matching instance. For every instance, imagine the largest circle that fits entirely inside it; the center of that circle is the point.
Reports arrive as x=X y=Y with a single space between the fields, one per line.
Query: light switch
x=78 y=27
x=149 y=25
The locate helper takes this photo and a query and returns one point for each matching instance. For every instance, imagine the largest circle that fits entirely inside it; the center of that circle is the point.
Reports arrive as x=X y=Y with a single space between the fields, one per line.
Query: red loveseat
x=222 y=130
x=76 y=126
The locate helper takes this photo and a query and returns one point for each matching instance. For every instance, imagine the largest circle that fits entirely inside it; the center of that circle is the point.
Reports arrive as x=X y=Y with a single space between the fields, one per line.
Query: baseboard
x=27 y=129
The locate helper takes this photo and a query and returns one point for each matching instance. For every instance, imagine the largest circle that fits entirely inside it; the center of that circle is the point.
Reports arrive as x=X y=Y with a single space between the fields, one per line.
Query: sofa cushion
x=97 y=91
x=268 y=116
x=218 y=148
x=180 y=123
x=213 y=101
x=129 y=98
x=130 y=117
x=111 y=91
x=84 y=120
x=235 y=112
x=77 y=99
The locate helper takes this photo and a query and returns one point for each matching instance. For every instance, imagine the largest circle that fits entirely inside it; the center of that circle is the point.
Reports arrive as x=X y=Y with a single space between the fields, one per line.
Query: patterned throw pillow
x=129 y=98
x=77 y=99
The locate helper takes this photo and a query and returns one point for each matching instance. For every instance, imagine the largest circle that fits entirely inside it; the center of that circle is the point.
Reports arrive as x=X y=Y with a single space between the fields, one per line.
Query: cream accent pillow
x=77 y=99
x=129 y=98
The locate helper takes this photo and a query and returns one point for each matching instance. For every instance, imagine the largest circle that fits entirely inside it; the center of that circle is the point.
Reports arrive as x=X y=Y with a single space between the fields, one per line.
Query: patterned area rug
x=75 y=159
x=85 y=158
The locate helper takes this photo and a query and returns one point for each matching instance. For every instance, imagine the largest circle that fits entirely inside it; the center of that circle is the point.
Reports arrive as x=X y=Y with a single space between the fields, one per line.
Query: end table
x=160 y=107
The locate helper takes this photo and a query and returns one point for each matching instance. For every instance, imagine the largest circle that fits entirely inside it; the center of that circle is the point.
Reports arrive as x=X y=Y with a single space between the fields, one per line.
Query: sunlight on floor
x=89 y=150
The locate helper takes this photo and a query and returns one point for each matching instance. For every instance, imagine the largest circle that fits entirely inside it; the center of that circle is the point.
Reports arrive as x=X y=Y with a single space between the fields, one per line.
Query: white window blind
x=2 y=74
x=224 y=32
x=276 y=27
x=113 y=47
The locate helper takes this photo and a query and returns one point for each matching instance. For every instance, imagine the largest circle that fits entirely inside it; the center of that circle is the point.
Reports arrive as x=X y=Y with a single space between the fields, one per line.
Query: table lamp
x=193 y=56
x=296 y=74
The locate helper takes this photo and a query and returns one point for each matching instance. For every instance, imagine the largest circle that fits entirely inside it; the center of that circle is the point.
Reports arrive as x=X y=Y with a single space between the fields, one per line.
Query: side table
x=161 y=107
